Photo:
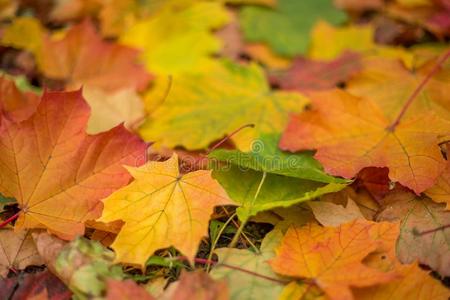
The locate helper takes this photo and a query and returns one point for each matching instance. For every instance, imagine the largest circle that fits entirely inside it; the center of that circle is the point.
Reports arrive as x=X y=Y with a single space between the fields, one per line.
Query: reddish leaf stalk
x=419 y=88
x=434 y=230
x=212 y=262
x=9 y=220
x=230 y=136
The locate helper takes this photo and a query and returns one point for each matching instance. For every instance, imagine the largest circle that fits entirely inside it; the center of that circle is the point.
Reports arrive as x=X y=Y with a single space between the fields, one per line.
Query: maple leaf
x=328 y=43
x=34 y=286
x=414 y=284
x=175 y=28
x=85 y=266
x=391 y=89
x=17 y=251
x=110 y=109
x=296 y=291
x=305 y=75
x=256 y=192
x=58 y=173
x=333 y=215
x=196 y=285
x=282 y=28
x=83 y=57
x=245 y=285
x=418 y=216
x=16 y=105
x=162 y=208
x=125 y=290
x=194 y=117
x=265 y=156
x=351 y=133
x=440 y=192
x=332 y=257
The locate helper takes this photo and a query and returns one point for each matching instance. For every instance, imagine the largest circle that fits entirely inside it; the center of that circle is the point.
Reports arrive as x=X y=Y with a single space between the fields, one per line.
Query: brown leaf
x=419 y=215
x=17 y=251
x=196 y=285
x=126 y=290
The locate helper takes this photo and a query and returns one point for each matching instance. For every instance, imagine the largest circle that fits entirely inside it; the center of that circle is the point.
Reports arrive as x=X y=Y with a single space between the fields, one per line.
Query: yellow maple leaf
x=204 y=107
x=328 y=42
x=162 y=208
x=178 y=38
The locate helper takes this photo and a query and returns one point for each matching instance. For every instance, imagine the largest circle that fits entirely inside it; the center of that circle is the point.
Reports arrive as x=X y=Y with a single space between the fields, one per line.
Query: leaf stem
x=434 y=230
x=214 y=243
x=229 y=136
x=10 y=219
x=237 y=235
x=419 y=88
x=212 y=262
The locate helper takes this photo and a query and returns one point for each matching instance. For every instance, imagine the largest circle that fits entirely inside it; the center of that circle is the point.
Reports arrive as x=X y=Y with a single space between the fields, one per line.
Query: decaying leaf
x=351 y=133
x=243 y=285
x=162 y=208
x=419 y=215
x=333 y=215
x=17 y=251
x=84 y=266
x=196 y=285
x=125 y=290
x=58 y=173
x=440 y=192
x=306 y=75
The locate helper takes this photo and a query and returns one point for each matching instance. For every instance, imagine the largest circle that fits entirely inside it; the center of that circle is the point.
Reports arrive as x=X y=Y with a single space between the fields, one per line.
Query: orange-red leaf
x=58 y=173
x=15 y=105
x=331 y=257
x=310 y=75
x=351 y=133
x=83 y=58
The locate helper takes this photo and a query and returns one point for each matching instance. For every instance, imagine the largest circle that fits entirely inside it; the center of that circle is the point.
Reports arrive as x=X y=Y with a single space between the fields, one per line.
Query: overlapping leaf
x=282 y=28
x=58 y=173
x=331 y=257
x=419 y=215
x=244 y=285
x=178 y=28
x=352 y=133
x=162 y=208
x=203 y=108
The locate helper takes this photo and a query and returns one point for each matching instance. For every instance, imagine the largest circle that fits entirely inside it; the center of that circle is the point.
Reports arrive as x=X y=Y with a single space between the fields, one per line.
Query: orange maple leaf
x=15 y=105
x=57 y=172
x=83 y=58
x=331 y=257
x=440 y=192
x=351 y=133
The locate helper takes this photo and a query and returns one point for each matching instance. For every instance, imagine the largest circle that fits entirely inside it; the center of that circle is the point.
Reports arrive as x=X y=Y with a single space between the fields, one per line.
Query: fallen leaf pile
x=225 y=149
